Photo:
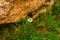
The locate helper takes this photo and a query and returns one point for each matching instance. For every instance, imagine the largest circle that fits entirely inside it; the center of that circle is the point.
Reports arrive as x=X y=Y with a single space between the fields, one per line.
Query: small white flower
x=30 y=19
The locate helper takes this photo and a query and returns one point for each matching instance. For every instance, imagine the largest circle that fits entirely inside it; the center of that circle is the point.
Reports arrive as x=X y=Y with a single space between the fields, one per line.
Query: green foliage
x=50 y=36
x=56 y=7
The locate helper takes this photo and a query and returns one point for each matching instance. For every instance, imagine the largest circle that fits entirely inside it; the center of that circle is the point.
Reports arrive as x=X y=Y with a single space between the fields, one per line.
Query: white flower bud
x=30 y=19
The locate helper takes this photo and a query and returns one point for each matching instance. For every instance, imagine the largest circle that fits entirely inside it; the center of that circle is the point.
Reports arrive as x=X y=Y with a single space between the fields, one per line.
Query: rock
x=16 y=9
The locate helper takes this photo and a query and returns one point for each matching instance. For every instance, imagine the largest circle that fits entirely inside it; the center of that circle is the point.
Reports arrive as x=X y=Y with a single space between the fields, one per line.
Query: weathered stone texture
x=12 y=10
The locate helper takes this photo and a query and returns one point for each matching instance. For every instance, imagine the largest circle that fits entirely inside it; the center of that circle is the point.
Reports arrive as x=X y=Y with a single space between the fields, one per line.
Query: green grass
x=45 y=27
